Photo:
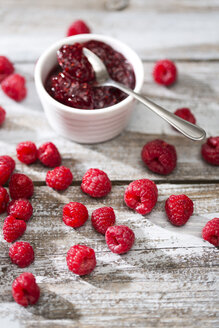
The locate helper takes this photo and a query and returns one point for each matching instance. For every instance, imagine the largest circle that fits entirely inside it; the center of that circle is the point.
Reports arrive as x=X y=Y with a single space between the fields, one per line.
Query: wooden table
x=170 y=277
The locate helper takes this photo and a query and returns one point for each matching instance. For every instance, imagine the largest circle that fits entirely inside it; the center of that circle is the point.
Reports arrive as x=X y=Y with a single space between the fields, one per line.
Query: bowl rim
x=81 y=38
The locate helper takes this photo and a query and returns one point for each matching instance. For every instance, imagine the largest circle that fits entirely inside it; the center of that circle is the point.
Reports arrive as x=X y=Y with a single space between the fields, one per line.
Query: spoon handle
x=190 y=130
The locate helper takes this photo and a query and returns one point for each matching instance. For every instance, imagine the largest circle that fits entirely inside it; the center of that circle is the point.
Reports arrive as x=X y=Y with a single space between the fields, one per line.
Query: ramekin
x=86 y=126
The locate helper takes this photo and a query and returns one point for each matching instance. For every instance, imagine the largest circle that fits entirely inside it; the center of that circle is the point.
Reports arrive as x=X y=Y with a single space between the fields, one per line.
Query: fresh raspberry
x=186 y=114
x=5 y=172
x=159 y=156
x=6 y=68
x=2 y=115
x=102 y=218
x=14 y=87
x=141 y=196
x=60 y=178
x=20 y=186
x=210 y=232
x=27 y=152
x=74 y=214
x=81 y=259
x=119 y=239
x=165 y=72
x=20 y=209
x=13 y=228
x=21 y=254
x=5 y=159
x=49 y=155
x=179 y=208
x=78 y=27
x=4 y=198
x=96 y=183
x=210 y=151
x=25 y=290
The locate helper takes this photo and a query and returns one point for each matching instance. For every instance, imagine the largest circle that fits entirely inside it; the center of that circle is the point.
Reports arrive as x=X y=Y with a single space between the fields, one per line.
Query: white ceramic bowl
x=86 y=126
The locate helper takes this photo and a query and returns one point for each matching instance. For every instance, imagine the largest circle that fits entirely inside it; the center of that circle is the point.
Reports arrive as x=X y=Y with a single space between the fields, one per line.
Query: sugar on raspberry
x=119 y=239
x=20 y=186
x=78 y=27
x=74 y=214
x=81 y=259
x=13 y=228
x=159 y=156
x=49 y=155
x=165 y=72
x=102 y=218
x=186 y=114
x=210 y=151
x=6 y=68
x=14 y=87
x=179 y=208
x=141 y=196
x=210 y=232
x=21 y=254
x=60 y=178
x=25 y=290
x=27 y=152
x=20 y=209
x=2 y=115
x=4 y=199
x=96 y=183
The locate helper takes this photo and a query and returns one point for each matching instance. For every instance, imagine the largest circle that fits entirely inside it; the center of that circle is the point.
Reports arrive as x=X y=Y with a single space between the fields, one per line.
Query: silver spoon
x=190 y=130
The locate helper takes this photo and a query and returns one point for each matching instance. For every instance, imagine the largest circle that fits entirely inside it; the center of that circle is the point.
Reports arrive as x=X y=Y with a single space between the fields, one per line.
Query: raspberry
x=74 y=214
x=165 y=72
x=210 y=232
x=179 y=208
x=186 y=114
x=141 y=196
x=78 y=27
x=49 y=155
x=5 y=159
x=6 y=68
x=13 y=229
x=102 y=218
x=60 y=178
x=210 y=151
x=14 y=87
x=27 y=152
x=25 y=290
x=2 y=115
x=4 y=198
x=21 y=254
x=20 y=186
x=20 y=209
x=5 y=172
x=81 y=259
x=96 y=183
x=159 y=156
x=119 y=239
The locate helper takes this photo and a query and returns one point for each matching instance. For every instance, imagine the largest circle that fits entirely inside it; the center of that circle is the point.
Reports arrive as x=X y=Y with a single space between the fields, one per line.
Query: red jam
x=73 y=83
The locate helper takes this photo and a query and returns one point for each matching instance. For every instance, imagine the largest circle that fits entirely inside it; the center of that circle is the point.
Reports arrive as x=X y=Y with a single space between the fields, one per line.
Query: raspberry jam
x=73 y=82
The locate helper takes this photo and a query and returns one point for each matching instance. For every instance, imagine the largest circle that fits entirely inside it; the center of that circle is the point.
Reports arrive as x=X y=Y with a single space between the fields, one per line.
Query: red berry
x=5 y=172
x=4 y=198
x=78 y=27
x=81 y=259
x=165 y=72
x=20 y=186
x=60 y=178
x=96 y=183
x=5 y=159
x=27 y=152
x=210 y=232
x=25 y=290
x=119 y=239
x=74 y=214
x=21 y=254
x=6 y=68
x=186 y=114
x=179 y=208
x=14 y=87
x=13 y=228
x=141 y=196
x=210 y=151
x=49 y=155
x=159 y=156
x=20 y=209
x=102 y=218
x=2 y=115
